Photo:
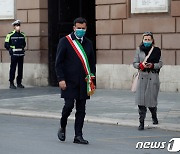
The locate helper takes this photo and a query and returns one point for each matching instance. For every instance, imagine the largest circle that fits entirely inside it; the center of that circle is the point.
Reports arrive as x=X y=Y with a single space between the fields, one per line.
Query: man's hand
x=62 y=85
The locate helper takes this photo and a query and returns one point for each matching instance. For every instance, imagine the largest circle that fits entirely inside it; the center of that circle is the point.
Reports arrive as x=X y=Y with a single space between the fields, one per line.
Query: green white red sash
x=83 y=57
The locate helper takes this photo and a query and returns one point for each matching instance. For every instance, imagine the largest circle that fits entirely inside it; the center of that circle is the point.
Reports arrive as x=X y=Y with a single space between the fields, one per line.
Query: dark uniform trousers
x=16 y=60
x=79 y=116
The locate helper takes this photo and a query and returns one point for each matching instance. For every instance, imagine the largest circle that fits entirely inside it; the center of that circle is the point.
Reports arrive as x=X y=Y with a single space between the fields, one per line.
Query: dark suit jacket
x=69 y=68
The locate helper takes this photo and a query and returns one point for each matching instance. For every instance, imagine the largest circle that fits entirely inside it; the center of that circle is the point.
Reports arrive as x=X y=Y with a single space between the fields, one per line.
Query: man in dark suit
x=71 y=76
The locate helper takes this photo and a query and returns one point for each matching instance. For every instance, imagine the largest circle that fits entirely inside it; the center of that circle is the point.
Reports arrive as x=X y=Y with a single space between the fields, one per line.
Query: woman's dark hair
x=80 y=20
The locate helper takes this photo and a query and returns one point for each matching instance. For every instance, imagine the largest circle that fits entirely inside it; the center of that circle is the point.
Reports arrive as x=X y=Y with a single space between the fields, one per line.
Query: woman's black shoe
x=141 y=126
x=155 y=121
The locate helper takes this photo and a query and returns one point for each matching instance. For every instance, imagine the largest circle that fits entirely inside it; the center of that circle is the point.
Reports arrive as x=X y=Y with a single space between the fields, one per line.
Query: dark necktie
x=80 y=41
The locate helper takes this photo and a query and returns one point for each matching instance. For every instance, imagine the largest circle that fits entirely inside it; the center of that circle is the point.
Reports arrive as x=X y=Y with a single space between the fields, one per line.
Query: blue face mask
x=80 y=32
x=147 y=44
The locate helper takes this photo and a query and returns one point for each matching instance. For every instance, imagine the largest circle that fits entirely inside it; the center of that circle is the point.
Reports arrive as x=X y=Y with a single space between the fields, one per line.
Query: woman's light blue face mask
x=147 y=41
x=147 y=44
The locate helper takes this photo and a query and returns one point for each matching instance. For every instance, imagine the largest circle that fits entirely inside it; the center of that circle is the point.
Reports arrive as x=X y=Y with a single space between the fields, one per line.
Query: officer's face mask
x=17 y=28
x=80 y=32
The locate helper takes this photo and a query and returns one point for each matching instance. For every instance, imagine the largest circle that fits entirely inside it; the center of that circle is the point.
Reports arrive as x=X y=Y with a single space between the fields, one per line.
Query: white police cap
x=17 y=22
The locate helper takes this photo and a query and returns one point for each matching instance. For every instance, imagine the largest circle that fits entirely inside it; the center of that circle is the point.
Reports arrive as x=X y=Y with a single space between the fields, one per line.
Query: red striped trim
x=77 y=52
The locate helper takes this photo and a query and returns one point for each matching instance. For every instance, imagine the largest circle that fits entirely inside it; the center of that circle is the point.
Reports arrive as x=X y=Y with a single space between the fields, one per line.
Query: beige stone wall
x=34 y=17
x=119 y=34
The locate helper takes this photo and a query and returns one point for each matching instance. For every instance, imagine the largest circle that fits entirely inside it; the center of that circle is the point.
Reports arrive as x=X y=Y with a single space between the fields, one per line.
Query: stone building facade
x=118 y=34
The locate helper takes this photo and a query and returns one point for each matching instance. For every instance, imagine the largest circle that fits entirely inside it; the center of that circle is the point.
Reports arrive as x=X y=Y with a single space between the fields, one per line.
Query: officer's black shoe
x=12 y=86
x=20 y=86
x=62 y=134
x=80 y=140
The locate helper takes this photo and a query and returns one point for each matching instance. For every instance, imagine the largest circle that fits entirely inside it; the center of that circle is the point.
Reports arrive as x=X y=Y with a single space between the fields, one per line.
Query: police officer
x=15 y=43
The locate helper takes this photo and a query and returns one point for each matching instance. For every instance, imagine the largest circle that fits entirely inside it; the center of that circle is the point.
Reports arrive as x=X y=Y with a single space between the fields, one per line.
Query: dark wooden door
x=61 y=14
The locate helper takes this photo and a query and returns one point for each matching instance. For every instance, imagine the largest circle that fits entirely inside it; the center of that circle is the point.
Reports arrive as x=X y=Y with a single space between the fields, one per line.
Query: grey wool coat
x=148 y=82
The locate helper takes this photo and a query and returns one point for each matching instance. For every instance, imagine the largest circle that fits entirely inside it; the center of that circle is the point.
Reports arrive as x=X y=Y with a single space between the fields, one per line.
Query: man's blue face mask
x=147 y=44
x=80 y=32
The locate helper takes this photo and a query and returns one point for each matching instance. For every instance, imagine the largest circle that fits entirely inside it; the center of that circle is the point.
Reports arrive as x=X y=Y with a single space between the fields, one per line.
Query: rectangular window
x=149 y=6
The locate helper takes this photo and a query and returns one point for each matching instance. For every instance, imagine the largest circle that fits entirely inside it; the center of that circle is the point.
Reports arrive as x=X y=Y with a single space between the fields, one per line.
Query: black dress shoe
x=62 y=134
x=20 y=86
x=12 y=86
x=80 y=140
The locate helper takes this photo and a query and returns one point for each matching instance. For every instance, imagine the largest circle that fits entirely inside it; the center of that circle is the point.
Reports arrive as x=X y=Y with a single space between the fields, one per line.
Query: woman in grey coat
x=148 y=81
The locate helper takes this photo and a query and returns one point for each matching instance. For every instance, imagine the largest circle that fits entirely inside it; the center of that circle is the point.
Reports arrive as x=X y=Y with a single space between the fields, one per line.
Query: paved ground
x=106 y=106
x=29 y=135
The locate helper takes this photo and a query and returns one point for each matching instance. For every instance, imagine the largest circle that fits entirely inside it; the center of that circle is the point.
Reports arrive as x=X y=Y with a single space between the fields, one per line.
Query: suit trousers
x=16 y=60
x=79 y=115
